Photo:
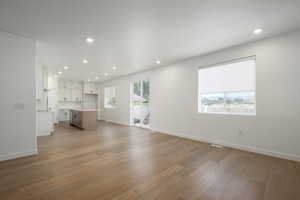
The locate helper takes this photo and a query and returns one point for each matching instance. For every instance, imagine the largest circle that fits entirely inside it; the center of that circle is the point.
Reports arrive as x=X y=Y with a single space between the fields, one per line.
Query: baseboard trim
x=44 y=134
x=234 y=146
x=18 y=155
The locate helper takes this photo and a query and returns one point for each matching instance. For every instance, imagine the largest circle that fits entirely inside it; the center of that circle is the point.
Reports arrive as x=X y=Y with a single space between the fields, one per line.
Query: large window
x=110 y=97
x=228 y=88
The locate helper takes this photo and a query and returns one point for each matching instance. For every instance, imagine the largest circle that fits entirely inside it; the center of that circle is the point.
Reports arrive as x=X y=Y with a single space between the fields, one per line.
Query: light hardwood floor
x=119 y=162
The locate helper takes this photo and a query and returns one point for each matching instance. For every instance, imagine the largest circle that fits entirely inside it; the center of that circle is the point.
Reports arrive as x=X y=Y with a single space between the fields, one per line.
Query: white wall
x=18 y=103
x=275 y=128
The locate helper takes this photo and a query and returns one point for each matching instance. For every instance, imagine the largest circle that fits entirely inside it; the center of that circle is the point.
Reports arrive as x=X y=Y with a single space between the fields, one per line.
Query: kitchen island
x=84 y=118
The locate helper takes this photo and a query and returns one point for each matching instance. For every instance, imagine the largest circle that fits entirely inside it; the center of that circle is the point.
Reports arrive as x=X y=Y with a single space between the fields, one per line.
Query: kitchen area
x=78 y=104
x=64 y=102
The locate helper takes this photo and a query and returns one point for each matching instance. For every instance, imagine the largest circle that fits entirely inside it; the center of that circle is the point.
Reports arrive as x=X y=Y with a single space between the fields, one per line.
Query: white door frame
x=131 y=102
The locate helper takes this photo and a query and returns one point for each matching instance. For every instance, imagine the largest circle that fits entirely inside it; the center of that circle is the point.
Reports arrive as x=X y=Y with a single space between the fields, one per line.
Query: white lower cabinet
x=44 y=123
x=64 y=115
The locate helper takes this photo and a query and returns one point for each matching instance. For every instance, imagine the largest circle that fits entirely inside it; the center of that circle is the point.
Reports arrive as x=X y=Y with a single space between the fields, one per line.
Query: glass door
x=140 y=99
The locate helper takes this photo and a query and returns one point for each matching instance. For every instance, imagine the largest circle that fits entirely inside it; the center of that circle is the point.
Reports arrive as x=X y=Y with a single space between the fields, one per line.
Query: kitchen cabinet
x=69 y=91
x=77 y=92
x=77 y=95
x=68 y=94
x=64 y=115
x=61 y=90
x=90 y=88
x=44 y=123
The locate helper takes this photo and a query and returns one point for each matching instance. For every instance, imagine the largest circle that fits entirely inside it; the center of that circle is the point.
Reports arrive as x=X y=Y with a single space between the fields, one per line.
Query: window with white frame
x=228 y=88
x=110 y=97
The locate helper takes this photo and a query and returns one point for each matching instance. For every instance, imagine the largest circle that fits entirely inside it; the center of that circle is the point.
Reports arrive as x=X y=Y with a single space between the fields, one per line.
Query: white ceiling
x=133 y=34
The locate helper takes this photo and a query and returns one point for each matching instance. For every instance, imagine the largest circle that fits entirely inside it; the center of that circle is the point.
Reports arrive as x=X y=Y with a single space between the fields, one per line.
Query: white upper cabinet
x=90 y=88
x=77 y=86
x=69 y=91
x=76 y=95
x=76 y=91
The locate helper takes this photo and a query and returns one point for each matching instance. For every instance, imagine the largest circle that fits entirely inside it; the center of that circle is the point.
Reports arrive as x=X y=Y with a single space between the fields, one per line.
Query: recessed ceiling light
x=106 y=74
x=66 y=67
x=257 y=31
x=114 y=68
x=89 y=40
x=158 y=62
x=55 y=76
x=89 y=80
x=85 y=61
x=59 y=73
x=97 y=77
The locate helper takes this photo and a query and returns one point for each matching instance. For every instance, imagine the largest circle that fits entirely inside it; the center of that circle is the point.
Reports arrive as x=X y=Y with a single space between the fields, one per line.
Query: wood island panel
x=89 y=120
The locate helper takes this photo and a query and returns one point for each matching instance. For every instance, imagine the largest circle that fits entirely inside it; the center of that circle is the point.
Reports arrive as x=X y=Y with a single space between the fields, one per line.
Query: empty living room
x=150 y=100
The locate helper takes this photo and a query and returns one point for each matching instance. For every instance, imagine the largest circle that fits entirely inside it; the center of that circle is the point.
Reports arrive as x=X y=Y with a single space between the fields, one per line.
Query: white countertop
x=85 y=110
x=80 y=109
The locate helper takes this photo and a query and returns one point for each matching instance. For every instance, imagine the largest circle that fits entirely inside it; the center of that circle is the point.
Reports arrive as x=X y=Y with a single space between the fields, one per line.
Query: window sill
x=226 y=113
x=109 y=107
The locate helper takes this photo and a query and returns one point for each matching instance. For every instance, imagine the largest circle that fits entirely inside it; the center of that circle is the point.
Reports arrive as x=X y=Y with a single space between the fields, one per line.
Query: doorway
x=140 y=100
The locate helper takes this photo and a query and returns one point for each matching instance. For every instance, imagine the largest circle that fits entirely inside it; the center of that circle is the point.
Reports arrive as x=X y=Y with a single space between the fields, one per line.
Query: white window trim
x=228 y=113
x=105 y=106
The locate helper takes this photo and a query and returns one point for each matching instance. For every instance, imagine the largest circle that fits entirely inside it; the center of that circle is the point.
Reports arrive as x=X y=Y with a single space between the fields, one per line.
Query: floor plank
x=119 y=162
